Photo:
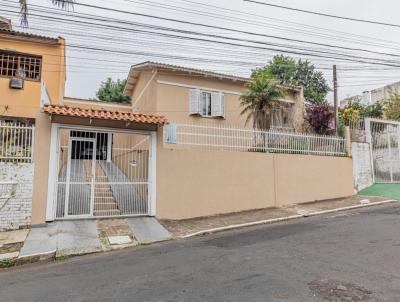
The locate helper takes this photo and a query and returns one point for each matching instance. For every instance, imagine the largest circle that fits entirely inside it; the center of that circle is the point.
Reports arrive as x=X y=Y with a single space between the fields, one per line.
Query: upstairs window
x=18 y=65
x=205 y=99
x=206 y=103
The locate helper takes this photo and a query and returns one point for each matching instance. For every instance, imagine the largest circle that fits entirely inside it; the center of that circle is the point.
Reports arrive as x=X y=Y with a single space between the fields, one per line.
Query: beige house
x=188 y=95
x=180 y=150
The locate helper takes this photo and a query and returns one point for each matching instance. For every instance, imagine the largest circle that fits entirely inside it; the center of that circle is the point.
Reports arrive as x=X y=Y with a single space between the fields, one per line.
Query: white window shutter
x=171 y=133
x=222 y=100
x=194 y=101
x=217 y=104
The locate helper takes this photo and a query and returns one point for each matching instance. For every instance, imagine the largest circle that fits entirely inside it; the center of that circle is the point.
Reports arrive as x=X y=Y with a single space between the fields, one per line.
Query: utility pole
x=335 y=98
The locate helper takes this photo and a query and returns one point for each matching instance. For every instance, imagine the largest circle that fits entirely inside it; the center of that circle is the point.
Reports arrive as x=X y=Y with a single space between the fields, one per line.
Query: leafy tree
x=300 y=73
x=261 y=99
x=392 y=108
x=375 y=110
x=320 y=117
x=65 y=4
x=283 y=68
x=113 y=91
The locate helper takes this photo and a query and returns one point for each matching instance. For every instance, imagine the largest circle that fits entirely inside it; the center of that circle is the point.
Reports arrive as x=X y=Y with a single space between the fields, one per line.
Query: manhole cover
x=337 y=291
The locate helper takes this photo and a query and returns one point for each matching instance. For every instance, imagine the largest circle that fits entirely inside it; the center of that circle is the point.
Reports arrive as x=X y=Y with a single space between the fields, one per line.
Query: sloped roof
x=136 y=69
x=6 y=33
x=63 y=110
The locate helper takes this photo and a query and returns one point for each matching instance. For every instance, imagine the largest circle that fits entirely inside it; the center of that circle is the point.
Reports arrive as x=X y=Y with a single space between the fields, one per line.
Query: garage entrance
x=102 y=173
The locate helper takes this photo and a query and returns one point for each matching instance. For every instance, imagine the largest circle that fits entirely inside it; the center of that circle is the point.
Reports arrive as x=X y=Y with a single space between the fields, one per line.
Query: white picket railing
x=241 y=139
x=16 y=142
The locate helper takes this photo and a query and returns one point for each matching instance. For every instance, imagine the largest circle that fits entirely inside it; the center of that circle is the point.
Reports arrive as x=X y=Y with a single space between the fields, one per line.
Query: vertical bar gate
x=102 y=173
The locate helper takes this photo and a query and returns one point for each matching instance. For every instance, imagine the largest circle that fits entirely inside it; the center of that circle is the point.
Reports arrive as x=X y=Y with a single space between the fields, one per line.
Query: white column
x=52 y=181
x=152 y=174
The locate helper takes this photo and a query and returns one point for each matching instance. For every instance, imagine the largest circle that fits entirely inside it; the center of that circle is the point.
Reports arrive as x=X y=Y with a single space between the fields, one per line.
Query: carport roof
x=102 y=114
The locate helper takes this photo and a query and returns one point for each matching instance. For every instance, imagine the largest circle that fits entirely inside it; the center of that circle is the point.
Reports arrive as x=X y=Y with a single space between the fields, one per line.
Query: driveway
x=350 y=256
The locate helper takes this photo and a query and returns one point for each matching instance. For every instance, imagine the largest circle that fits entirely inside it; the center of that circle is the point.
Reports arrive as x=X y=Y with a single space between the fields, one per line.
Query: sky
x=104 y=41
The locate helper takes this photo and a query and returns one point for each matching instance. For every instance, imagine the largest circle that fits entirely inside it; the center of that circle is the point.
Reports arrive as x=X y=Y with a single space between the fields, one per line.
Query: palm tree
x=262 y=99
x=65 y=4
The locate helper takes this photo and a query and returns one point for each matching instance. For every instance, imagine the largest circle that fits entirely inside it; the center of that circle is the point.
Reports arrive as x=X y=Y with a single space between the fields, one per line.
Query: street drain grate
x=337 y=291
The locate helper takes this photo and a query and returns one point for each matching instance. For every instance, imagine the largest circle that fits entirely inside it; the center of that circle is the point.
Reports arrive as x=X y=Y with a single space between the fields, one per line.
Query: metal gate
x=384 y=139
x=102 y=173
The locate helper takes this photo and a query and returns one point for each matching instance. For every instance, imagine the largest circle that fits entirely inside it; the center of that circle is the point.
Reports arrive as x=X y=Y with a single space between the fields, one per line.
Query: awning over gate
x=104 y=118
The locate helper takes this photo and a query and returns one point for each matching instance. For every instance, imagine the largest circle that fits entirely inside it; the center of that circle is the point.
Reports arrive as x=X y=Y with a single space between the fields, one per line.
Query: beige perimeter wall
x=193 y=183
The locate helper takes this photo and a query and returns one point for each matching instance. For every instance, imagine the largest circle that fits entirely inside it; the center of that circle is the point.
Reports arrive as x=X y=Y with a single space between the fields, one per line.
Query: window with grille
x=20 y=66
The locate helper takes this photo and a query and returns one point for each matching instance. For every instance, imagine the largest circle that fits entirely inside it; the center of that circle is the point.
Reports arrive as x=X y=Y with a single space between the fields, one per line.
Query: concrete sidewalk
x=197 y=226
x=68 y=238
x=76 y=237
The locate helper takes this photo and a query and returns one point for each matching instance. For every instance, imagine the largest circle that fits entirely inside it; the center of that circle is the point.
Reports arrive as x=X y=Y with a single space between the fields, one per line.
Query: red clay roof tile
x=104 y=114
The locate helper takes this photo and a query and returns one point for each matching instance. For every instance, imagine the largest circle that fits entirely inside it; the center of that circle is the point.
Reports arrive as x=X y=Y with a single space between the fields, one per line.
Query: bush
x=350 y=115
x=374 y=110
x=321 y=118
x=392 y=109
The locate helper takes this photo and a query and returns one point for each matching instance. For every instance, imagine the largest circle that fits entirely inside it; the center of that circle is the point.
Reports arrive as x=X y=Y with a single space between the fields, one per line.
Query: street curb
x=51 y=255
x=281 y=219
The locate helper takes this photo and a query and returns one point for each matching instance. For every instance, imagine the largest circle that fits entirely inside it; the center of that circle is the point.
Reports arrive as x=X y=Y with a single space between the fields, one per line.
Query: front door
x=81 y=169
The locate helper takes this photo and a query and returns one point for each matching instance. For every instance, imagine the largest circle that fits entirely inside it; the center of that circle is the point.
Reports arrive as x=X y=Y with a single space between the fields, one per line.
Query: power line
x=115 y=31
x=295 y=24
x=323 y=14
x=237 y=19
x=354 y=58
x=216 y=27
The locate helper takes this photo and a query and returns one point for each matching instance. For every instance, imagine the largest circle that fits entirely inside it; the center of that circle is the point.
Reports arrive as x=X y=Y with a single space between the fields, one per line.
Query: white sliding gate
x=384 y=139
x=102 y=173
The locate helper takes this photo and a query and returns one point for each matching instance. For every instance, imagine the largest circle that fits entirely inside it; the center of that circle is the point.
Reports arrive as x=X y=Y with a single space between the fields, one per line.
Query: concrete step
x=102 y=190
x=105 y=206
x=12 y=241
x=103 y=195
x=104 y=199
x=107 y=212
x=10 y=247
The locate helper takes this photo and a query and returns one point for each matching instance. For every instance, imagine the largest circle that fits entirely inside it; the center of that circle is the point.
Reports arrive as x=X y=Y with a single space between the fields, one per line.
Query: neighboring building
x=357 y=98
x=29 y=65
x=376 y=95
x=187 y=95
x=32 y=70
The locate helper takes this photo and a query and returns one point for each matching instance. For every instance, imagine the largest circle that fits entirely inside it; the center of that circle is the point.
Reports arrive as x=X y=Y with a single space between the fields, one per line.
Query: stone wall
x=362 y=169
x=15 y=195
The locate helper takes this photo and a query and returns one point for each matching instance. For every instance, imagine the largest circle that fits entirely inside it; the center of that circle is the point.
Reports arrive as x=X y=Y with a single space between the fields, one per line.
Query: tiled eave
x=101 y=114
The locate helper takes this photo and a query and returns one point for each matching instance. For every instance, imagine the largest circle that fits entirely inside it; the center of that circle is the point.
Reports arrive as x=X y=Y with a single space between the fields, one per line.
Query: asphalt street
x=348 y=256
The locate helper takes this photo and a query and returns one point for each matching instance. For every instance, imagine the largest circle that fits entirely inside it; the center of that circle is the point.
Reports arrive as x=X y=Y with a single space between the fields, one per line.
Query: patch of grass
x=5 y=263
x=391 y=191
x=62 y=258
